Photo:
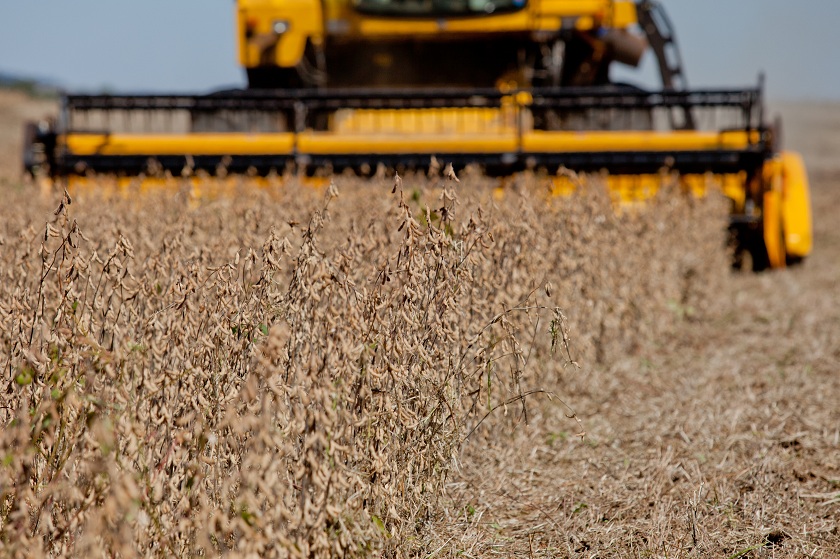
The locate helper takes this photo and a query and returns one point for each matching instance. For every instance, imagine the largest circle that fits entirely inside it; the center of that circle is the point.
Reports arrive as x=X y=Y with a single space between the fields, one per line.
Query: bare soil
x=718 y=438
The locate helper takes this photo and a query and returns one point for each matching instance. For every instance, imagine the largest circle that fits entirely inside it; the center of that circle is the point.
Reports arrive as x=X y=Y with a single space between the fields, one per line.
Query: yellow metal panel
x=200 y=187
x=304 y=19
x=461 y=121
x=772 y=218
x=384 y=27
x=381 y=27
x=734 y=187
x=179 y=144
x=796 y=205
x=325 y=143
x=547 y=142
x=567 y=8
x=632 y=189
x=306 y=22
x=624 y=14
x=547 y=23
x=585 y=23
x=290 y=48
x=610 y=13
x=629 y=189
x=335 y=9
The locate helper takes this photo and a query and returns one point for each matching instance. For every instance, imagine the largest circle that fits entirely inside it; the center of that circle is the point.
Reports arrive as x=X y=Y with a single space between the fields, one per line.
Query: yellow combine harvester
x=508 y=84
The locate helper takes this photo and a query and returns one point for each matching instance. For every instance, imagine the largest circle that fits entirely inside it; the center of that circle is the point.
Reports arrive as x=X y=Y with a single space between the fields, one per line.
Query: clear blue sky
x=189 y=45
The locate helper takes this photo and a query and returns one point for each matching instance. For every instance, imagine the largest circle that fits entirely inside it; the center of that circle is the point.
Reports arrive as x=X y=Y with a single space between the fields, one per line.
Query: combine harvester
x=508 y=84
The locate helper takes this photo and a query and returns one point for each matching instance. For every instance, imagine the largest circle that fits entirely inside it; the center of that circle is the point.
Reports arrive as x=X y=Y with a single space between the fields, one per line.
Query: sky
x=189 y=45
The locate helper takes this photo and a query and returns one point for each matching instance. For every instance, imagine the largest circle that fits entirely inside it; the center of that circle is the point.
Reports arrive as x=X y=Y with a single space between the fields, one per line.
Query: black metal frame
x=302 y=107
x=622 y=163
x=296 y=99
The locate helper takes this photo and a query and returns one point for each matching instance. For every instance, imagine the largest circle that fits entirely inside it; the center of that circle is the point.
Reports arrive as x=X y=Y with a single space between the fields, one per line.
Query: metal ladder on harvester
x=659 y=32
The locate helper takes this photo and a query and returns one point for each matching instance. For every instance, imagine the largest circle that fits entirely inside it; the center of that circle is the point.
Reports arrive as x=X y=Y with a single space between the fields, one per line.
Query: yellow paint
x=326 y=143
x=623 y=14
x=476 y=131
x=796 y=205
x=371 y=27
x=314 y=20
x=179 y=144
x=305 y=23
x=195 y=181
x=772 y=220
x=426 y=121
x=786 y=211
x=682 y=140
x=635 y=189
x=196 y=187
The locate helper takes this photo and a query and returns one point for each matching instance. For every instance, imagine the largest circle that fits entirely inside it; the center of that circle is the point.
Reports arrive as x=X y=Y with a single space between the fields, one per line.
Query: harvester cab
x=510 y=85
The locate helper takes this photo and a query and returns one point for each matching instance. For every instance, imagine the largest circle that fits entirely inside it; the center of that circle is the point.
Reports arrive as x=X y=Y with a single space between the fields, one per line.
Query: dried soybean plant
x=367 y=383
x=283 y=374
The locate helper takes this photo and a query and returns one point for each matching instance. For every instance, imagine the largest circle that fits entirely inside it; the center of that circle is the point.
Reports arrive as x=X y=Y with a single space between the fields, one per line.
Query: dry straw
x=293 y=374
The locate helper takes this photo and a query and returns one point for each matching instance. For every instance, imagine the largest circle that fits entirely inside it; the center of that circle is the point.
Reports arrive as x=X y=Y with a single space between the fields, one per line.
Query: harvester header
x=272 y=131
x=511 y=85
